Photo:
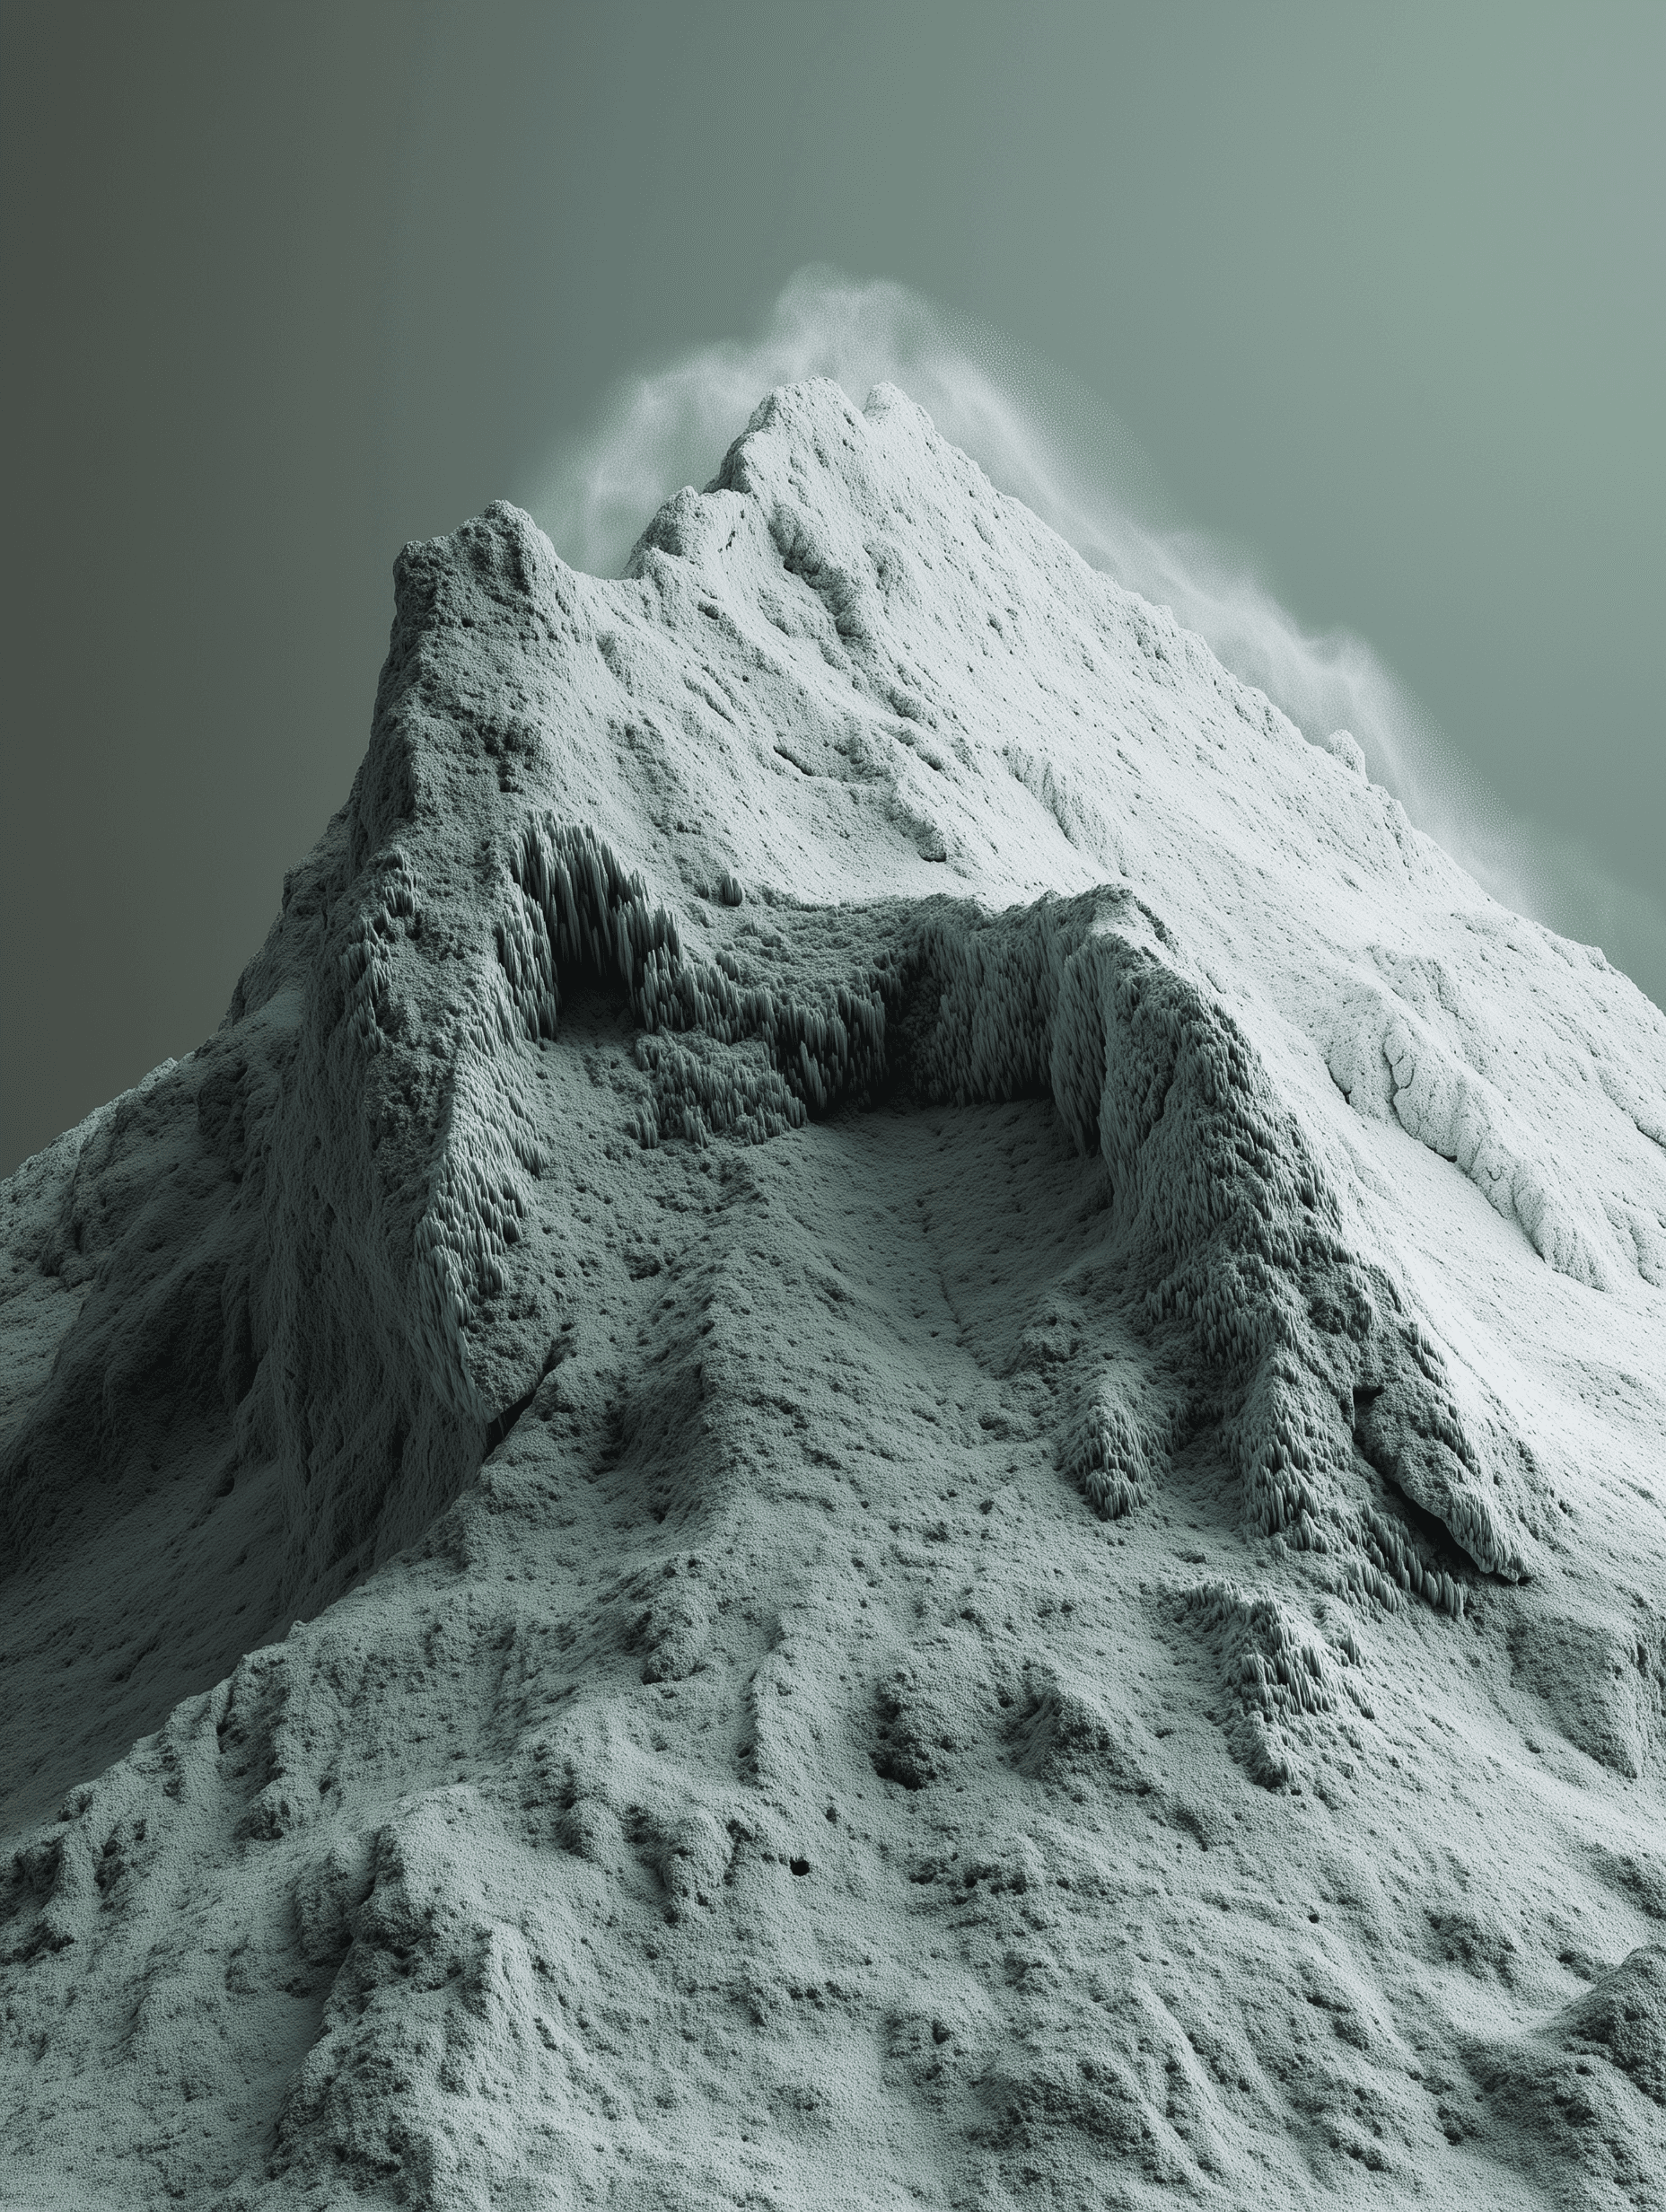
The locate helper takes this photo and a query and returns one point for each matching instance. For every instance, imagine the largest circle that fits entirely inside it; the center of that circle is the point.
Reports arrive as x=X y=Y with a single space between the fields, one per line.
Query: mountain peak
x=917 y=1318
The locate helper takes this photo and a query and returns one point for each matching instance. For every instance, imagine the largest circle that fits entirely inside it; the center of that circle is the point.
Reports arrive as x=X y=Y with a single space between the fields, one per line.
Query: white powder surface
x=955 y=1372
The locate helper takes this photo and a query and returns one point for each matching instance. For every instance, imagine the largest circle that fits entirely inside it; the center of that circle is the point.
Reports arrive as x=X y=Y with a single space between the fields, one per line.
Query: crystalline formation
x=953 y=1369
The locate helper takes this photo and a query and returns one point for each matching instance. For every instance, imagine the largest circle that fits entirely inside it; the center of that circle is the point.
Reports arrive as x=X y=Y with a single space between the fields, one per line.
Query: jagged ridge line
x=1229 y=1232
x=1061 y=997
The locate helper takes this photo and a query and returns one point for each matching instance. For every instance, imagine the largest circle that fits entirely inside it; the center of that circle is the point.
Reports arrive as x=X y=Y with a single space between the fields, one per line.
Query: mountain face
x=954 y=1371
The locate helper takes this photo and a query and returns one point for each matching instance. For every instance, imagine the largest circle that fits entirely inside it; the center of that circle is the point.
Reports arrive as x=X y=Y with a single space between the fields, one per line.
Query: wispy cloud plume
x=1053 y=446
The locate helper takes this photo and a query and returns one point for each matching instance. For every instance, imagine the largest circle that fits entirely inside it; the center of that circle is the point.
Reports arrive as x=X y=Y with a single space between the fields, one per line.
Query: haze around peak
x=1047 y=439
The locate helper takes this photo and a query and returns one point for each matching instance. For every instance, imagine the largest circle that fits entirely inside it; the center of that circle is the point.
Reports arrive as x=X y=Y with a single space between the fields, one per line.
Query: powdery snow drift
x=954 y=1371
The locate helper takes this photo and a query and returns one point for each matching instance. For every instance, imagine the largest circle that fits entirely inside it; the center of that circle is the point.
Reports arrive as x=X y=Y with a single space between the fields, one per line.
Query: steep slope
x=954 y=1371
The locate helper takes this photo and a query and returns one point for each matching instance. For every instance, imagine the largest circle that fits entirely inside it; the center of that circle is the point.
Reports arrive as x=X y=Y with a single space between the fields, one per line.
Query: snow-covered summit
x=924 y=1318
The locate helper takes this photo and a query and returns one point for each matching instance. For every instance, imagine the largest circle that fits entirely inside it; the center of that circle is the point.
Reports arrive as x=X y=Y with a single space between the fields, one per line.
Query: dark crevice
x=1433 y=1538
x=506 y=1419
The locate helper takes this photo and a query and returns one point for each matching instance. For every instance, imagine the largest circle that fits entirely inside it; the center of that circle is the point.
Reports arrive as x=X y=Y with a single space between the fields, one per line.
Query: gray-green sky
x=1378 y=290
